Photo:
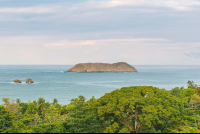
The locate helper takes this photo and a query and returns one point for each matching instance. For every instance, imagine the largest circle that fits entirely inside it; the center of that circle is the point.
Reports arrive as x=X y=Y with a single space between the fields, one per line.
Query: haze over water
x=51 y=82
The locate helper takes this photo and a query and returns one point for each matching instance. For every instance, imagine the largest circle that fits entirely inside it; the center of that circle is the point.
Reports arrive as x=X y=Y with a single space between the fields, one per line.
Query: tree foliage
x=133 y=109
x=191 y=84
x=6 y=120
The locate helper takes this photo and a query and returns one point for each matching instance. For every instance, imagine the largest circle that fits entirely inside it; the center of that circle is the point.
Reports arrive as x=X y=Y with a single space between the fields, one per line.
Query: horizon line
x=77 y=63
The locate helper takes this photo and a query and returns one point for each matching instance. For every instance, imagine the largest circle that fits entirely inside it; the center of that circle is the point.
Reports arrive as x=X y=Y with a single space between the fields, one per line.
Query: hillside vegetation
x=133 y=109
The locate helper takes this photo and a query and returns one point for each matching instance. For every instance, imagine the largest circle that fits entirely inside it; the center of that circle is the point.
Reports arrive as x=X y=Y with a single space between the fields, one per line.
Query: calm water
x=51 y=82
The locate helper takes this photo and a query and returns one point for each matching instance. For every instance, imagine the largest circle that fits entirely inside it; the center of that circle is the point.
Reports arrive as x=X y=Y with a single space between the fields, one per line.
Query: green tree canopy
x=139 y=109
x=6 y=120
x=191 y=84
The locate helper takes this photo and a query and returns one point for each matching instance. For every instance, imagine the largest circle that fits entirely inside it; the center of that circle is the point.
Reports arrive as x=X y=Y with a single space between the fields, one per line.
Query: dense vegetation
x=144 y=109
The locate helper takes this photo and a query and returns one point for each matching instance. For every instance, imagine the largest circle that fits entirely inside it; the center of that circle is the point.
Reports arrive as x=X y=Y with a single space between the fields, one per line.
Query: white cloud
x=30 y=10
x=181 y=5
x=53 y=50
x=67 y=43
x=100 y=10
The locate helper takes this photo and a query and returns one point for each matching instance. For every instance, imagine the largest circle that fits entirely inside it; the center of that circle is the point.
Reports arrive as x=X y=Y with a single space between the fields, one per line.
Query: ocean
x=51 y=82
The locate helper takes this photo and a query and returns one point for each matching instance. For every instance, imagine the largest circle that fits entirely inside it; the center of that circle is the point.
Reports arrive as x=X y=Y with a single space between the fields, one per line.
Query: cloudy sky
x=139 y=32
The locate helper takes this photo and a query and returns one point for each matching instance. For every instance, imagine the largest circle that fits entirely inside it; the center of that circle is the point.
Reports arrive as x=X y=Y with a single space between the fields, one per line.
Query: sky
x=67 y=32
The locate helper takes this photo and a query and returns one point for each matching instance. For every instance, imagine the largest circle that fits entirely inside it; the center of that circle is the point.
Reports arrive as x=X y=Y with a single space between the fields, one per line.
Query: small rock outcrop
x=102 y=67
x=28 y=80
x=17 y=81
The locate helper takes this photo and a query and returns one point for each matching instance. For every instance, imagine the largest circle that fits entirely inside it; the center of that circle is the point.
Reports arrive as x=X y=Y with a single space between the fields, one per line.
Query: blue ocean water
x=51 y=82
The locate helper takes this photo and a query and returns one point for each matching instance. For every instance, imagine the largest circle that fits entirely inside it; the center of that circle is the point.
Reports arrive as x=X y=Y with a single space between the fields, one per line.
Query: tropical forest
x=135 y=109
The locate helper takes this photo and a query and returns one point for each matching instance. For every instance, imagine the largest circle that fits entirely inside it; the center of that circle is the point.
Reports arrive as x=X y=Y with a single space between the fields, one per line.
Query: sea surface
x=51 y=82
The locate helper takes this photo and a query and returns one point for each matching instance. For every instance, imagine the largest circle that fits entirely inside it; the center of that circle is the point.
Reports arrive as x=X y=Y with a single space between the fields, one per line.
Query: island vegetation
x=133 y=109
x=102 y=67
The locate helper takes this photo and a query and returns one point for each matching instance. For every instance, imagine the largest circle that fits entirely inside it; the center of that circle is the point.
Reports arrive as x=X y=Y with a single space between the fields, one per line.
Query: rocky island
x=28 y=80
x=17 y=81
x=102 y=67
